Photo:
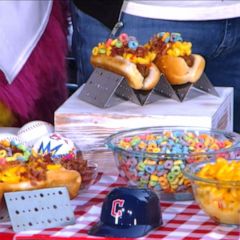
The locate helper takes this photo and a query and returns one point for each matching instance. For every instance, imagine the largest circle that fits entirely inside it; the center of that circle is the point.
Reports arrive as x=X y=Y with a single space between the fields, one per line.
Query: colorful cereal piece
x=141 y=166
x=176 y=170
x=171 y=177
x=154 y=178
x=149 y=161
x=162 y=172
x=163 y=180
x=3 y=153
x=168 y=164
x=150 y=169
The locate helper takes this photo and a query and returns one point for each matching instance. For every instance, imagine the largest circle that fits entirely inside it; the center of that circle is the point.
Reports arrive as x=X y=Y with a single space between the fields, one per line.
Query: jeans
x=87 y=33
x=218 y=41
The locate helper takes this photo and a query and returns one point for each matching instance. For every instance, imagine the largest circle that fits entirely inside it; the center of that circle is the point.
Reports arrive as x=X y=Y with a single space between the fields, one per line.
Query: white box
x=88 y=126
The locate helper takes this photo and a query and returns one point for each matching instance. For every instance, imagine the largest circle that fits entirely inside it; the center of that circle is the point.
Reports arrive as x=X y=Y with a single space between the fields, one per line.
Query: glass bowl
x=89 y=175
x=154 y=157
x=218 y=198
x=87 y=169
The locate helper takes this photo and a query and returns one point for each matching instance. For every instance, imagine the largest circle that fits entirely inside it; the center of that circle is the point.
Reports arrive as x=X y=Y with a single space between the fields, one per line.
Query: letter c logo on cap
x=116 y=210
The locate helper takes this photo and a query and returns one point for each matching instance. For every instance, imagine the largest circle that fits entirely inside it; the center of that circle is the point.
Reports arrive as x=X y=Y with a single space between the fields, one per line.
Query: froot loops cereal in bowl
x=154 y=157
x=216 y=187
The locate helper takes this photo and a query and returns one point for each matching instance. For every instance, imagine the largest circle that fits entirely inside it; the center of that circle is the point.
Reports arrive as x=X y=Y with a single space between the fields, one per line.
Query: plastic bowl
x=219 y=199
x=154 y=157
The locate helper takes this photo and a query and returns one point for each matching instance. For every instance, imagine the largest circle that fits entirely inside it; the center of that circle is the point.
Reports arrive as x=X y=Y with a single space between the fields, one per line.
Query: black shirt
x=106 y=11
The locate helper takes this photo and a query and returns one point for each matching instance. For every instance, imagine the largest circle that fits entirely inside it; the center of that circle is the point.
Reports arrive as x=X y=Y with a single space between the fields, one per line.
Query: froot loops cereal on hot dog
x=157 y=160
x=13 y=151
x=221 y=198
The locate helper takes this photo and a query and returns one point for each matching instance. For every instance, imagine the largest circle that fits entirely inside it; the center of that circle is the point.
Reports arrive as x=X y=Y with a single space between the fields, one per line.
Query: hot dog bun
x=175 y=59
x=54 y=178
x=129 y=70
x=178 y=72
x=125 y=57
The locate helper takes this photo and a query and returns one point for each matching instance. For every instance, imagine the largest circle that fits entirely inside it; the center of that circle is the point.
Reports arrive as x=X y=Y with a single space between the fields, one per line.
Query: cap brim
x=100 y=229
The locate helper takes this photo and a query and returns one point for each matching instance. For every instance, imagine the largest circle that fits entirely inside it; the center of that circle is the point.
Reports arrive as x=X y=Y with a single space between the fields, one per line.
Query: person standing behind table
x=212 y=26
x=33 y=74
x=93 y=21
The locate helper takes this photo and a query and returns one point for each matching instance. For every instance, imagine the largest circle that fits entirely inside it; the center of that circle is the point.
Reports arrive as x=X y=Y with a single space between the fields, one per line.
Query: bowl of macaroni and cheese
x=216 y=188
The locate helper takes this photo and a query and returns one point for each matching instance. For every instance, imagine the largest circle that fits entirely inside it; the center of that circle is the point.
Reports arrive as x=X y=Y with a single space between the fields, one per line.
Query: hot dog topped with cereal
x=175 y=59
x=21 y=169
x=126 y=57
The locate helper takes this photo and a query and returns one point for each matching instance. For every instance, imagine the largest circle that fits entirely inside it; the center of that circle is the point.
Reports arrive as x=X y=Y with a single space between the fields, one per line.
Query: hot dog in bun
x=175 y=59
x=35 y=172
x=126 y=57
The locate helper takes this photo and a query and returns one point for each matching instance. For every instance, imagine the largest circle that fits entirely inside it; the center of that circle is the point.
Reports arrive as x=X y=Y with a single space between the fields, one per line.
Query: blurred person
x=212 y=26
x=33 y=47
x=93 y=21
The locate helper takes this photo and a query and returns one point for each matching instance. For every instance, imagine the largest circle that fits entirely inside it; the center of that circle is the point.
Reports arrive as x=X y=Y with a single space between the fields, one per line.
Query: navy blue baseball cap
x=128 y=213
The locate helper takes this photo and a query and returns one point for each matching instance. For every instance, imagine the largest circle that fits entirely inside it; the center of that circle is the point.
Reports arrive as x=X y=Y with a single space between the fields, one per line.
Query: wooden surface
x=88 y=126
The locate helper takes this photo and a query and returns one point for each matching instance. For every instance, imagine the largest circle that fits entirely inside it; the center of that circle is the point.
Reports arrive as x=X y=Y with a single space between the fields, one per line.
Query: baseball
x=56 y=145
x=33 y=131
x=10 y=137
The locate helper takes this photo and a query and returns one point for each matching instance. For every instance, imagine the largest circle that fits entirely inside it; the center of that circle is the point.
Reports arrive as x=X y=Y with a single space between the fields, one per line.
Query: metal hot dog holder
x=105 y=89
